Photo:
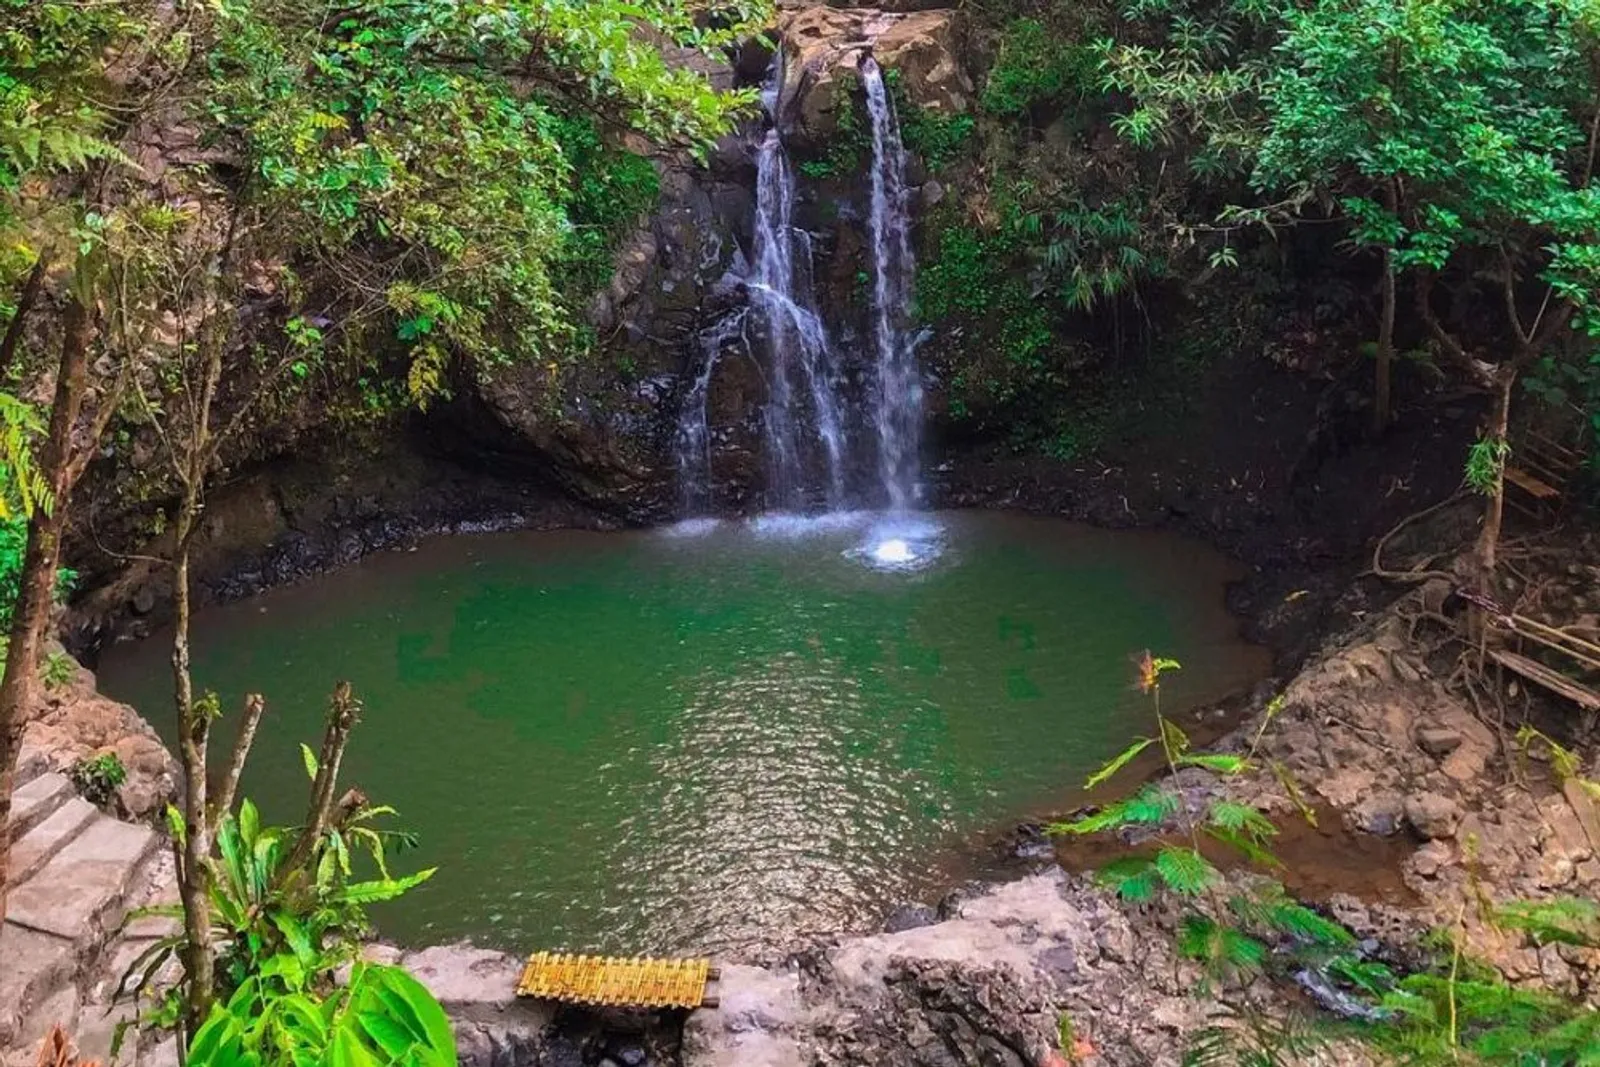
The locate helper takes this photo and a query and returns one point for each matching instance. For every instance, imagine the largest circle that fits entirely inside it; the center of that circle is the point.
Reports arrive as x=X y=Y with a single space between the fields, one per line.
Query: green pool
x=704 y=738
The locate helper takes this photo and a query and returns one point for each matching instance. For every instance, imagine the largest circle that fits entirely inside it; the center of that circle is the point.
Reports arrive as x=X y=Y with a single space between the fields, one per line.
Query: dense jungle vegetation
x=212 y=211
x=1413 y=181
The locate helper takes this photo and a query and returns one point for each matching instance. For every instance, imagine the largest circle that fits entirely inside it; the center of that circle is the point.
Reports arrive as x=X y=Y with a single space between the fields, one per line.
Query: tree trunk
x=31 y=617
x=194 y=732
x=1381 y=403
x=1484 y=560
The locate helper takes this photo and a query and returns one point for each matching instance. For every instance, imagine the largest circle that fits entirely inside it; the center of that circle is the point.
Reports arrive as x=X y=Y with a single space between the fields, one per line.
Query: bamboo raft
x=608 y=981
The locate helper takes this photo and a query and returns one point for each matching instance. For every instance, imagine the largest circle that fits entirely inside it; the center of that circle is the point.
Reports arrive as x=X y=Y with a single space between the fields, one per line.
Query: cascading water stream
x=796 y=337
x=897 y=397
x=802 y=373
x=804 y=418
x=693 y=451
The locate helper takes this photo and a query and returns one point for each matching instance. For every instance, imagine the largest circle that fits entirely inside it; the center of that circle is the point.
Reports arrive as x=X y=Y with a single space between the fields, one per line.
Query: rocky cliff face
x=606 y=436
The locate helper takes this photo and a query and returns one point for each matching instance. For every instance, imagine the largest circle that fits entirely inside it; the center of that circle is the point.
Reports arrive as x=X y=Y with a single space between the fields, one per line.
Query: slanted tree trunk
x=31 y=617
x=25 y=301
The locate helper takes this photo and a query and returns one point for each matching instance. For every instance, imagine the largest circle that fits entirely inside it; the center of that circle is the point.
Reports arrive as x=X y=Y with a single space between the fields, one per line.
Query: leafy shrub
x=284 y=1015
x=937 y=138
x=610 y=189
x=96 y=778
x=13 y=545
x=58 y=669
x=1034 y=68
x=266 y=900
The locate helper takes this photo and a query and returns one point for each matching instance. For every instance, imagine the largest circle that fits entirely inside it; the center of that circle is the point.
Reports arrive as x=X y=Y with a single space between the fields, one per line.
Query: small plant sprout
x=58 y=670
x=97 y=777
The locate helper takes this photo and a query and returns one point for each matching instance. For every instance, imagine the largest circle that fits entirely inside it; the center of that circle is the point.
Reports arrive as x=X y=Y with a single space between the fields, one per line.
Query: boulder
x=1438 y=741
x=823 y=49
x=1433 y=816
x=74 y=722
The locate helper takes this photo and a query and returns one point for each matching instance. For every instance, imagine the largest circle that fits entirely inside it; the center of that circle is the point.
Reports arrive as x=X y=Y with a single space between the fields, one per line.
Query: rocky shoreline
x=1367 y=727
x=1366 y=724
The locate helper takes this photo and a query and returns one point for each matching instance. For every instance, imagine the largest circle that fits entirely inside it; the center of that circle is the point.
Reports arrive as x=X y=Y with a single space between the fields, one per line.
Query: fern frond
x=1133 y=877
x=1148 y=806
x=1244 y=818
x=1185 y=871
x=1563 y=921
x=1121 y=760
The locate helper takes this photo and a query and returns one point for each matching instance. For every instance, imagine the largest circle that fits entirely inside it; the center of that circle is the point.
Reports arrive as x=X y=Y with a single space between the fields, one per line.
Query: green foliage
x=1441 y=1019
x=1573 y=384
x=1149 y=806
x=1561 y=921
x=1219 y=947
x=1117 y=762
x=1034 y=69
x=1090 y=254
x=13 y=547
x=262 y=907
x=1192 y=71
x=611 y=189
x=1252 y=1039
x=938 y=139
x=289 y=1014
x=1455 y=1011
x=1185 y=871
x=971 y=279
x=851 y=144
x=57 y=670
x=55 y=107
x=1485 y=461
x=436 y=171
x=96 y=778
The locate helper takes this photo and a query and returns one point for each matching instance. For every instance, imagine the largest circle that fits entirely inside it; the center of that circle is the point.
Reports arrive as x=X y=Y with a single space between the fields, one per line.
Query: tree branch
x=1508 y=283
x=254 y=705
x=1481 y=374
x=30 y=293
x=344 y=711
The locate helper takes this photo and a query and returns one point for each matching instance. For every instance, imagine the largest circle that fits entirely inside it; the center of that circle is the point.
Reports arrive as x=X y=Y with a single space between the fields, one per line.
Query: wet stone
x=907 y=917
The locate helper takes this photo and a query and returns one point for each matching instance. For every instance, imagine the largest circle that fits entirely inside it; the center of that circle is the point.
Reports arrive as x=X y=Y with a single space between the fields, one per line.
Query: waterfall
x=693 y=449
x=804 y=421
x=797 y=340
x=897 y=395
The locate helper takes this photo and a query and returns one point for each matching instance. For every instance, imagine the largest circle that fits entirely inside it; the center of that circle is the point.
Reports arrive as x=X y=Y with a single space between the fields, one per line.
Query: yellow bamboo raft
x=609 y=981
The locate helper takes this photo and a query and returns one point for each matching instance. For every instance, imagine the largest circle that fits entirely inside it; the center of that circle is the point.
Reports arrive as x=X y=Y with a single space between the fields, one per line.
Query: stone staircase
x=75 y=873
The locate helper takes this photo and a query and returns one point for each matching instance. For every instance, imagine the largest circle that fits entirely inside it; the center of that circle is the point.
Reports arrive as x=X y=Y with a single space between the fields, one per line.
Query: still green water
x=667 y=742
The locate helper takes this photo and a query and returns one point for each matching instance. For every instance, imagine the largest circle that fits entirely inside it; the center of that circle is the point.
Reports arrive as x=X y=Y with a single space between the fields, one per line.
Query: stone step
x=36 y=801
x=36 y=967
x=41 y=844
x=81 y=893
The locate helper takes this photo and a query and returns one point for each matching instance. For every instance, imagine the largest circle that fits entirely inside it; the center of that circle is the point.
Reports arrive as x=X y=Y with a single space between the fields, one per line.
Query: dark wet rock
x=909 y=917
x=631 y=1055
x=561 y=1051
x=950 y=904
x=1033 y=845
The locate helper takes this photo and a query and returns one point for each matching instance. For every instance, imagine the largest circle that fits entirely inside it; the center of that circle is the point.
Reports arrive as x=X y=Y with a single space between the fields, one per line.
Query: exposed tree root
x=1418 y=573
